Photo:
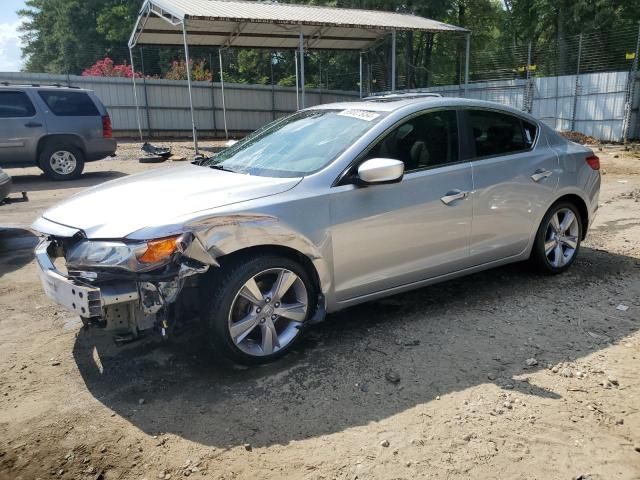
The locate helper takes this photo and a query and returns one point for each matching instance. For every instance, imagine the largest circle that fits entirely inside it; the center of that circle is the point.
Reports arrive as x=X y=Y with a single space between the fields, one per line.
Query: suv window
x=69 y=104
x=424 y=141
x=15 y=105
x=496 y=133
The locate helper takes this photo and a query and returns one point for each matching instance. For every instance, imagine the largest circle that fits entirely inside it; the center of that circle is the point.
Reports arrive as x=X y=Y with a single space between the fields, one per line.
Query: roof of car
x=15 y=86
x=401 y=102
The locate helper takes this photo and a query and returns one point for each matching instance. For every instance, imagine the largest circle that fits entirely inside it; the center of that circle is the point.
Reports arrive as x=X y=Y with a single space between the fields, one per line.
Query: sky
x=10 y=54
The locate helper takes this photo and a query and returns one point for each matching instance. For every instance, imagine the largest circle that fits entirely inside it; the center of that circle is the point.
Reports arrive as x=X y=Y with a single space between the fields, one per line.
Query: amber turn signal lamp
x=159 y=250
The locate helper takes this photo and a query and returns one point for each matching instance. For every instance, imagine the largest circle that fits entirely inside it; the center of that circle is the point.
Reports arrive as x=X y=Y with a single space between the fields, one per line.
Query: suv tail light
x=593 y=161
x=107 y=130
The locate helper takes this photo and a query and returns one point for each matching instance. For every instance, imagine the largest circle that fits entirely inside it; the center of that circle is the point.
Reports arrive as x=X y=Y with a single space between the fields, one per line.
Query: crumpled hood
x=120 y=207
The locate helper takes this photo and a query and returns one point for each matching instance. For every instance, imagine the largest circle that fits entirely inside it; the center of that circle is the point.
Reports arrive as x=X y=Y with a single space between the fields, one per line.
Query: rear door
x=21 y=126
x=514 y=177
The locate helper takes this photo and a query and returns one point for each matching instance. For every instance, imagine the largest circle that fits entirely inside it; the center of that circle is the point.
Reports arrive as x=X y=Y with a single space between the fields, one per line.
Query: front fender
x=225 y=234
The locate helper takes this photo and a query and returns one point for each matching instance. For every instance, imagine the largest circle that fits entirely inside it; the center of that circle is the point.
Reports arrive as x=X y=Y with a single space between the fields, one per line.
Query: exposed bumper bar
x=76 y=296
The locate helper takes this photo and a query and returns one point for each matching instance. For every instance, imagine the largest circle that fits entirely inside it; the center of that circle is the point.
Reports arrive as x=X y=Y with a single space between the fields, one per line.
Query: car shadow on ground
x=439 y=339
x=35 y=183
x=16 y=248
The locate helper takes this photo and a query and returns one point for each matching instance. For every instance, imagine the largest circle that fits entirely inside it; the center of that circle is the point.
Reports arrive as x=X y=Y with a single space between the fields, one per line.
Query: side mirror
x=380 y=171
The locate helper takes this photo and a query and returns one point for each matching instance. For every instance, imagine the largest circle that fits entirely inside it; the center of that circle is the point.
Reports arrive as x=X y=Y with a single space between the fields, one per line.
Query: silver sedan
x=324 y=209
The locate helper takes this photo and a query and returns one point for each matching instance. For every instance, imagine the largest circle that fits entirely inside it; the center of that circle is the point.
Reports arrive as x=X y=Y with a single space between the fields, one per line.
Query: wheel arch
x=581 y=205
x=66 y=139
x=277 y=250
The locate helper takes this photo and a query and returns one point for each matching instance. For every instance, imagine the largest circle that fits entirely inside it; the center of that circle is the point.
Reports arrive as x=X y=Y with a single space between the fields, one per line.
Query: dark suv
x=56 y=128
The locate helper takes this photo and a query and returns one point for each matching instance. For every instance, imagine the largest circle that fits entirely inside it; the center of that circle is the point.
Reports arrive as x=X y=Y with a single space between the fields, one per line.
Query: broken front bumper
x=79 y=297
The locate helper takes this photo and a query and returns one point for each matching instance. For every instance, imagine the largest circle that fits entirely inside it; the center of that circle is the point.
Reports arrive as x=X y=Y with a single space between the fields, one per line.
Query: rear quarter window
x=15 y=105
x=530 y=131
x=69 y=104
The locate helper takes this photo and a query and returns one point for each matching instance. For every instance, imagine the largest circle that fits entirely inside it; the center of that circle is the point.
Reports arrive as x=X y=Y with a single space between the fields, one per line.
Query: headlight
x=135 y=257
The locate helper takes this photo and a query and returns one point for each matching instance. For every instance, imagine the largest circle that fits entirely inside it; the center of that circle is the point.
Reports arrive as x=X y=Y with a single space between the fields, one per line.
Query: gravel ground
x=501 y=375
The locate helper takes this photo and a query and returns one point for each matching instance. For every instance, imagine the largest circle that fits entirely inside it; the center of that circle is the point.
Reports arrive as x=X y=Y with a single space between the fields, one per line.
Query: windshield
x=296 y=145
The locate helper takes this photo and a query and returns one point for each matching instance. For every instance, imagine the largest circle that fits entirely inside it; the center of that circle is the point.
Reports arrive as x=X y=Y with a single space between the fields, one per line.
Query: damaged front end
x=128 y=288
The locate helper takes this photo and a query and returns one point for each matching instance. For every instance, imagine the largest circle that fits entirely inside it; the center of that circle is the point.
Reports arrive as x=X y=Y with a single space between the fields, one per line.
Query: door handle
x=32 y=124
x=454 y=195
x=540 y=174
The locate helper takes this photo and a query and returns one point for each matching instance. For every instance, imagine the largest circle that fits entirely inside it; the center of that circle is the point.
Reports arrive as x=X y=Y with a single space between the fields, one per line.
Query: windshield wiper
x=219 y=166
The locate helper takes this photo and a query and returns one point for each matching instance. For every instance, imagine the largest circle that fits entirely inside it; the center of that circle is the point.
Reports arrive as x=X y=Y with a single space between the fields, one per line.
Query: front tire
x=62 y=162
x=558 y=239
x=257 y=308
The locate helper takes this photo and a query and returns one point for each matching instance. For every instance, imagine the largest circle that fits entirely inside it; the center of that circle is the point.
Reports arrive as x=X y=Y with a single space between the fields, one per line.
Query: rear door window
x=69 y=104
x=496 y=133
x=15 y=105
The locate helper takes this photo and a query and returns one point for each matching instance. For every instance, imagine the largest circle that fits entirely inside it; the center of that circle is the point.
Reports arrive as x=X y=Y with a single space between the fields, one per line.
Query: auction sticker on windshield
x=361 y=114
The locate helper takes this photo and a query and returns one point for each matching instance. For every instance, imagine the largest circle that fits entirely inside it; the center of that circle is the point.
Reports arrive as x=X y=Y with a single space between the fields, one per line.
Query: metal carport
x=257 y=24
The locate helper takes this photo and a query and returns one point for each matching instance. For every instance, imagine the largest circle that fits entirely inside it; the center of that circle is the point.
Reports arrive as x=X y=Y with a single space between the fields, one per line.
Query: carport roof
x=257 y=24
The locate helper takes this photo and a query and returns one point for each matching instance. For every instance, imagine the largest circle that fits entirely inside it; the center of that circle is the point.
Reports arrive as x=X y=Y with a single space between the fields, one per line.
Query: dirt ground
x=433 y=384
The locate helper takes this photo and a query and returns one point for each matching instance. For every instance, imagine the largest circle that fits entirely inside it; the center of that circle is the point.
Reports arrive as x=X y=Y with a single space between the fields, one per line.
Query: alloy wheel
x=267 y=313
x=63 y=162
x=561 y=237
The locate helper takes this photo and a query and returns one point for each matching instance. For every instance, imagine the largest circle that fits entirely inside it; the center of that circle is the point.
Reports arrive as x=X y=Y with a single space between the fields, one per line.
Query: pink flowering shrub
x=107 y=68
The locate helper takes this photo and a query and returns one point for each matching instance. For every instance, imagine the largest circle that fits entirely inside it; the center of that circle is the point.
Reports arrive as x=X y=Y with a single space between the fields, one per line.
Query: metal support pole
x=360 y=74
x=186 y=57
x=213 y=96
x=320 y=83
x=273 y=89
x=527 y=100
x=628 y=122
x=295 y=56
x=466 y=65
x=224 y=104
x=577 y=87
x=393 y=61
x=302 y=70
x=146 y=95
x=135 y=92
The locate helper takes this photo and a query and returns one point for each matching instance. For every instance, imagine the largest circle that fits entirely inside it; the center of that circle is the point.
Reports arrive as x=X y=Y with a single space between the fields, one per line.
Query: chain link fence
x=587 y=83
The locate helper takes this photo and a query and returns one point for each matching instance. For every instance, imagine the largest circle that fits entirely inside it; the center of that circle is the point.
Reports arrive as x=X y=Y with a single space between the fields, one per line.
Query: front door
x=20 y=128
x=385 y=236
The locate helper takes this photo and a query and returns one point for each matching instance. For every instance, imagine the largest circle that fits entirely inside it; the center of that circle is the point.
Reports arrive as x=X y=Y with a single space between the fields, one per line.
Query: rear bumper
x=101 y=148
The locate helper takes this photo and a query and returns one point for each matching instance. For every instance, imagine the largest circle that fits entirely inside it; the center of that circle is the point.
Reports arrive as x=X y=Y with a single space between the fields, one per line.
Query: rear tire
x=248 y=319
x=558 y=239
x=62 y=162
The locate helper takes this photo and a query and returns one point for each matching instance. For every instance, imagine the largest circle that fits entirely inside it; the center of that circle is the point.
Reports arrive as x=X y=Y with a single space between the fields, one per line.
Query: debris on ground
x=580 y=137
x=157 y=151
x=153 y=154
x=392 y=376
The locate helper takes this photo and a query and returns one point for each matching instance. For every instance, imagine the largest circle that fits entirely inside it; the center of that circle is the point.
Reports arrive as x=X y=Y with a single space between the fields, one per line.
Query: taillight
x=107 y=130
x=593 y=161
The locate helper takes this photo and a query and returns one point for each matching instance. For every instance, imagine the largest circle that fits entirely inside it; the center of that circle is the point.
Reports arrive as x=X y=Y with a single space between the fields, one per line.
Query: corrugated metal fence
x=602 y=105
x=596 y=104
x=164 y=104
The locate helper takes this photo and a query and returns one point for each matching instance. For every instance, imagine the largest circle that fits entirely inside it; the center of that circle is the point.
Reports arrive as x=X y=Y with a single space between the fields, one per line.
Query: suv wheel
x=61 y=162
x=257 y=309
x=558 y=239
